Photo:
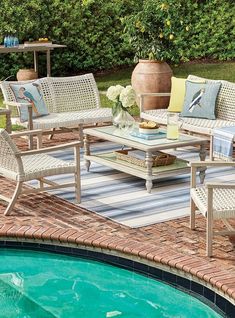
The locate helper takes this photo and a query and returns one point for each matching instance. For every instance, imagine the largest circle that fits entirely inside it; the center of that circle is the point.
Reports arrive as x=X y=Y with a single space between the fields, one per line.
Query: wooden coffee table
x=149 y=147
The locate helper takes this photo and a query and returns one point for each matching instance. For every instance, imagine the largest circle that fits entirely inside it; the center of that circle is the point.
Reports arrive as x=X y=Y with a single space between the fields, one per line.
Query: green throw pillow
x=29 y=93
x=200 y=100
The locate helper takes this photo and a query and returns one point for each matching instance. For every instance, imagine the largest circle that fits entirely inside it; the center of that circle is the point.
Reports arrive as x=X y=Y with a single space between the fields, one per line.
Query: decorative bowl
x=148 y=131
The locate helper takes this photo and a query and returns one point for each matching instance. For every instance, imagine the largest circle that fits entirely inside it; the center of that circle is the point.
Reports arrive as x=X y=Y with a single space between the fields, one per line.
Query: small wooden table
x=149 y=173
x=7 y=113
x=47 y=48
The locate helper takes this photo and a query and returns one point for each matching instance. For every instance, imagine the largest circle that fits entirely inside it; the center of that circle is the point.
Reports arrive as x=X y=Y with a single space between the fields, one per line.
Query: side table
x=7 y=113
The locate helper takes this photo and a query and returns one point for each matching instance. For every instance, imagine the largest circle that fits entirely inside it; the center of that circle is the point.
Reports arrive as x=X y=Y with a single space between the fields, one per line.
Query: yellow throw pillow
x=177 y=94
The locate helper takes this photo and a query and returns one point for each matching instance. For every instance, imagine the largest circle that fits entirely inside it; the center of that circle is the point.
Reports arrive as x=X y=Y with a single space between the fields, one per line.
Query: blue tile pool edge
x=218 y=303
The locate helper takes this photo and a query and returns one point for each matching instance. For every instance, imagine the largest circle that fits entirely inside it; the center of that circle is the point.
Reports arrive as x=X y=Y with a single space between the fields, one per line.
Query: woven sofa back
x=63 y=94
x=225 y=102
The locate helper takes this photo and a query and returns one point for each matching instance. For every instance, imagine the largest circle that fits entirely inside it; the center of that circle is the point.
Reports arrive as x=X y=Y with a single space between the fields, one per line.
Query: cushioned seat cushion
x=71 y=119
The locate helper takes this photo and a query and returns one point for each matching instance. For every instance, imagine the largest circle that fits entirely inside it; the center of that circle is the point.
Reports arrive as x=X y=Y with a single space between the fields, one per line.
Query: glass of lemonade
x=172 y=126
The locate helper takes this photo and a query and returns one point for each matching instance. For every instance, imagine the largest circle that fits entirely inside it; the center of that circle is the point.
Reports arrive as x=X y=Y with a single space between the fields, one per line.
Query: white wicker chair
x=22 y=166
x=215 y=200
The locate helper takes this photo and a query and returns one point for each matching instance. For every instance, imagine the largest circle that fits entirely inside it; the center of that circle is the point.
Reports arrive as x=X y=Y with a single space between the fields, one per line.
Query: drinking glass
x=172 y=132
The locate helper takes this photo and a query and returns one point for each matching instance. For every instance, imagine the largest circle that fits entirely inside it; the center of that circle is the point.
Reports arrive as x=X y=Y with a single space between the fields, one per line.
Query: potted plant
x=152 y=33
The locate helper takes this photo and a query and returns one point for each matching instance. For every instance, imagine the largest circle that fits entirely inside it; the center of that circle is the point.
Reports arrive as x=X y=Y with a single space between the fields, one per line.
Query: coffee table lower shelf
x=109 y=159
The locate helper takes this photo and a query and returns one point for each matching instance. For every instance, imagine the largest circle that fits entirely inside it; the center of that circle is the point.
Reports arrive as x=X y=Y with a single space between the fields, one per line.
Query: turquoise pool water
x=45 y=285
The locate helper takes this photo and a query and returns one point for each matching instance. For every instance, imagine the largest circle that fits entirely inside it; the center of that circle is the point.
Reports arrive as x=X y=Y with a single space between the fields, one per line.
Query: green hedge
x=102 y=34
x=91 y=29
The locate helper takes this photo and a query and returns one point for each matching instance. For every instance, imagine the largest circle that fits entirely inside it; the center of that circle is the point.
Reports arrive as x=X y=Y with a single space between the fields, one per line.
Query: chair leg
x=77 y=188
x=80 y=127
x=209 y=236
x=51 y=135
x=77 y=175
x=14 y=198
x=40 y=183
x=209 y=223
x=192 y=214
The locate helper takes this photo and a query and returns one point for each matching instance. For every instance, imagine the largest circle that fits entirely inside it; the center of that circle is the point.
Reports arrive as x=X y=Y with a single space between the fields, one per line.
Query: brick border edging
x=190 y=267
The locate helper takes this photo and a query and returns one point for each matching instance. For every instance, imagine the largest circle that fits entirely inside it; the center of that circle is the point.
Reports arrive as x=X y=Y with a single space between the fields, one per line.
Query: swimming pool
x=39 y=284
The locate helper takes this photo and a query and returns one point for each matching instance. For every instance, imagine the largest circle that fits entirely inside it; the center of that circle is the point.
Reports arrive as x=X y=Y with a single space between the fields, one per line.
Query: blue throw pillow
x=29 y=93
x=200 y=99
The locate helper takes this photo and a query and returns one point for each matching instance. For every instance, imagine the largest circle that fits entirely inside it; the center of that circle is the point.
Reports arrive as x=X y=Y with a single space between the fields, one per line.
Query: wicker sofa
x=71 y=102
x=225 y=111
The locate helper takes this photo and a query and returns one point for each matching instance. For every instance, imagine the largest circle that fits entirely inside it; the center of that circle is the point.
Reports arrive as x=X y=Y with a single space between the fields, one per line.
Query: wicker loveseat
x=225 y=111
x=71 y=102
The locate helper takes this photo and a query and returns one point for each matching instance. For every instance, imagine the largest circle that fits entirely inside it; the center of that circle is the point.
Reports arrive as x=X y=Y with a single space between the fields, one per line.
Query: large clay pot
x=26 y=74
x=151 y=76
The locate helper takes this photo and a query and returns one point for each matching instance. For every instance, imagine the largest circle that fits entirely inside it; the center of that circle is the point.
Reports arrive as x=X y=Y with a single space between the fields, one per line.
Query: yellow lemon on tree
x=187 y=28
x=161 y=35
x=171 y=37
x=168 y=22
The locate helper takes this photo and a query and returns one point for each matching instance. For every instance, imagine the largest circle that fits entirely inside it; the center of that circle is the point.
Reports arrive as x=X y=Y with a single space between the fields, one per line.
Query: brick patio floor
x=169 y=245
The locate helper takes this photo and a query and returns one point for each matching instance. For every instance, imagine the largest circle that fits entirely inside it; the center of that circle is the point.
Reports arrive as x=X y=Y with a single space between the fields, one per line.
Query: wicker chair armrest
x=210 y=163
x=220 y=185
x=51 y=149
x=16 y=104
x=35 y=132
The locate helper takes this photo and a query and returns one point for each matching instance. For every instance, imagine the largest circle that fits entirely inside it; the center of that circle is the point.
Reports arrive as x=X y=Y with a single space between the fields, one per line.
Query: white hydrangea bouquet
x=124 y=96
x=123 y=99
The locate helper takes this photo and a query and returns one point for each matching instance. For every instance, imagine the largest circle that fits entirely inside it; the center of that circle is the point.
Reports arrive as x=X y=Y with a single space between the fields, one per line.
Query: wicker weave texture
x=8 y=151
x=24 y=168
x=71 y=93
x=225 y=106
x=41 y=165
x=63 y=94
x=223 y=201
x=70 y=119
x=160 y=159
x=198 y=125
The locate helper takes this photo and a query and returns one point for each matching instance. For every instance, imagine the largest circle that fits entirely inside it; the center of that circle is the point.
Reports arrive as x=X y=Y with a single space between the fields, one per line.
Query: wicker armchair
x=22 y=166
x=215 y=200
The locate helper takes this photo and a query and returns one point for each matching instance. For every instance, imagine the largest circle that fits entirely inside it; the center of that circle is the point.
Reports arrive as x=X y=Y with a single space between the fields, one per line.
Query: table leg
x=149 y=165
x=202 y=155
x=48 y=63
x=211 y=147
x=35 y=57
x=87 y=151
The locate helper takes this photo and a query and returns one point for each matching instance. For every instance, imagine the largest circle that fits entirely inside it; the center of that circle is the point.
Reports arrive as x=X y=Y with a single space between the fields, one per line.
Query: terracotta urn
x=152 y=76
x=26 y=74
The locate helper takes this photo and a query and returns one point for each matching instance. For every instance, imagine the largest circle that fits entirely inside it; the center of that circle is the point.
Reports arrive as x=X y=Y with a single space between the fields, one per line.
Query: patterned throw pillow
x=29 y=93
x=200 y=100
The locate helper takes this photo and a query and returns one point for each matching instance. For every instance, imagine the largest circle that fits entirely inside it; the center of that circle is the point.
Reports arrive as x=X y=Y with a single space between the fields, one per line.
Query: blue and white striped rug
x=124 y=199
